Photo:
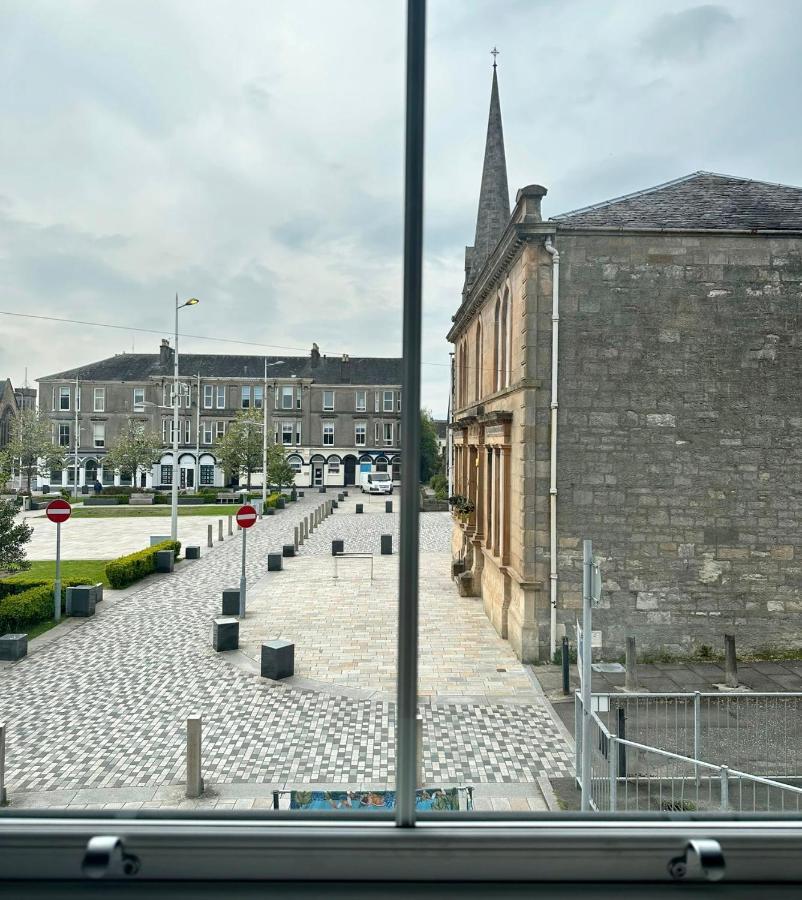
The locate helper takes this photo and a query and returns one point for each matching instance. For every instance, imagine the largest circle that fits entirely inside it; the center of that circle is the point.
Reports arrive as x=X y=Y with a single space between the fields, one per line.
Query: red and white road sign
x=246 y=516
x=58 y=510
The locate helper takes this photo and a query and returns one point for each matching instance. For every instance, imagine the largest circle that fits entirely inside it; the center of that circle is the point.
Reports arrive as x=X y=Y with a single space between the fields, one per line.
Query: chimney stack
x=165 y=354
x=315 y=355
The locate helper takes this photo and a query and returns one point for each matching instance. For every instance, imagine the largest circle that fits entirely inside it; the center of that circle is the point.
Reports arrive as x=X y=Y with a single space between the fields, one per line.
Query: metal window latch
x=703 y=860
x=105 y=856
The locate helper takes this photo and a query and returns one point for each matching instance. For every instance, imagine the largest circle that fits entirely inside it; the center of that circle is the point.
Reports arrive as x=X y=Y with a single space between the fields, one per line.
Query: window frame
x=323 y=404
x=286 y=393
x=385 y=407
x=327 y=431
x=287 y=429
x=208 y=396
x=245 y=396
x=61 y=441
x=364 y=404
x=360 y=428
x=99 y=399
x=64 y=392
x=220 y=400
x=95 y=427
x=138 y=405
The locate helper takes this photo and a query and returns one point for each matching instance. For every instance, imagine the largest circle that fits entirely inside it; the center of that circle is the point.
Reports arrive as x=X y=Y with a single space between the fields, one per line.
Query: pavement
x=96 y=713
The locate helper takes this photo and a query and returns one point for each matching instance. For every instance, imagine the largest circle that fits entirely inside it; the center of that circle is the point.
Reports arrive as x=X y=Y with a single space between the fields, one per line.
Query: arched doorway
x=90 y=472
x=349 y=470
x=317 y=462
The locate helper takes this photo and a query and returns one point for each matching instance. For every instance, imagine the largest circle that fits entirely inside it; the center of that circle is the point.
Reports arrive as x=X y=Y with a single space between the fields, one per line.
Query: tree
x=13 y=537
x=279 y=471
x=31 y=445
x=430 y=461
x=6 y=467
x=240 y=448
x=136 y=448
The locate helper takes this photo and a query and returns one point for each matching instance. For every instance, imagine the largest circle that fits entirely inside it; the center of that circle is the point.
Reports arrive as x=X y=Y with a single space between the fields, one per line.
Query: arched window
x=477 y=382
x=497 y=346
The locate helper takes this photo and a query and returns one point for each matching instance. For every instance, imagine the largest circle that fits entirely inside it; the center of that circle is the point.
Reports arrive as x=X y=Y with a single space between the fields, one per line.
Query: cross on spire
x=494 y=53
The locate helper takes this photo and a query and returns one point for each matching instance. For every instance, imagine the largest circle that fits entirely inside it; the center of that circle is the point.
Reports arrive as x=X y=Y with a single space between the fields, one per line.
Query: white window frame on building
x=99 y=399
x=361 y=401
x=328 y=434
x=187 y=431
x=388 y=402
x=64 y=398
x=286 y=392
x=257 y=396
x=207 y=433
x=298 y=397
x=377 y=433
x=245 y=396
x=328 y=406
x=98 y=434
x=221 y=396
x=333 y=466
x=166 y=473
x=295 y=463
x=208 y=396
x=398 y=401
x=78 y=398
x=138 y=400
x=388 y=434
x=297 y=432
x=220 y=428
x=360 y=431
x=376 y=401
x=63 y=434
x=286 y=433
x=206 y=475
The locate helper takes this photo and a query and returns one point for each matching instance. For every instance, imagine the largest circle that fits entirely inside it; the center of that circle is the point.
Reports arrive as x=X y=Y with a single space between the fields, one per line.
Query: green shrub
x=26 y=608
x=439 y=484
x=127 y=569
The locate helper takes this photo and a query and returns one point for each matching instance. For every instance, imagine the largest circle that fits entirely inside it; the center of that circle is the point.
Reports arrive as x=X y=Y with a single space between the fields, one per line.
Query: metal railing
x=626 y=775
x=339 y=556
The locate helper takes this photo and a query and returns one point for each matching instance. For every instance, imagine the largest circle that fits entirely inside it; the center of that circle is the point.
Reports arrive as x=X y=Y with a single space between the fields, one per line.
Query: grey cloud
x=685 y=36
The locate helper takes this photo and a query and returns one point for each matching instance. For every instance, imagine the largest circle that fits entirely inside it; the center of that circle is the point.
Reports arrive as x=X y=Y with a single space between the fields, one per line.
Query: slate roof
x=701 y=201
x=329 y=370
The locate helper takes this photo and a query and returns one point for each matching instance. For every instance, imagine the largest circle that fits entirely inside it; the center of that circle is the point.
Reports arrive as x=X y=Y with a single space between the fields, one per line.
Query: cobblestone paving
x=104 y=705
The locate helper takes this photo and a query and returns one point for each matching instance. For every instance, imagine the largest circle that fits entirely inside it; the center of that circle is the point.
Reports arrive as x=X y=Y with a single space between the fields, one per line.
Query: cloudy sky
x=250 y=153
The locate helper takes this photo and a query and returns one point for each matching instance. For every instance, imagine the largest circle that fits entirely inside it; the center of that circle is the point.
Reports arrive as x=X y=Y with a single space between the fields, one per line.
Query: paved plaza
x=96 y=715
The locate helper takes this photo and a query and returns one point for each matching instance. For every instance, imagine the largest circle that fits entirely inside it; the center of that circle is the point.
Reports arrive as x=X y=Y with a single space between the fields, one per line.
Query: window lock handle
x=703 y=860
x=105 y=856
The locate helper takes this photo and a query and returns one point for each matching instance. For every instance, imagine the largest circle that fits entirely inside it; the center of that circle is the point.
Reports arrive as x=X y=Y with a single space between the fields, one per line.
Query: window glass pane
x=328 y=400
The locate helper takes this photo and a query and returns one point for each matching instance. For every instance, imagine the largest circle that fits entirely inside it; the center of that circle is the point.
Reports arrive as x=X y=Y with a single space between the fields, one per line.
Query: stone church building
x=631 y=372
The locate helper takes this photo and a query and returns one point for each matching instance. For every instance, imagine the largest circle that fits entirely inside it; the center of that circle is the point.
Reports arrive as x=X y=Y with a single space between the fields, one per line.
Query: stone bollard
x=334 y=505
x=209 y=537
x=360 y=508
x=337 y=547
x=219 y=529
x=730 y=662
x=300 y=532
x=388 y=506
x=165 y=562
x=345 y=493
x=192 y=552
x=340 y=498
x=194 y=777
x=274 y=563
x=387 y=545
x=306 y=528
x=230 y=602
x=230 y=529
x=631 y=680
x=278 y=659
x=225 y=633
x=295 y=535
x=288 y=550
x=15 y=646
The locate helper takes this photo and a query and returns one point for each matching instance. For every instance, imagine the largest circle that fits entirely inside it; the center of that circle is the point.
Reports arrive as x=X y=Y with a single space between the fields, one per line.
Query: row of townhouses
x=336 y=416
x=12 y=402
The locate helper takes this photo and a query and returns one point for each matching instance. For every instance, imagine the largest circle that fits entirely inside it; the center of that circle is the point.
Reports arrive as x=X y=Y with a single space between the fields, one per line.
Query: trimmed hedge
x=128 y=569
x=26 y=608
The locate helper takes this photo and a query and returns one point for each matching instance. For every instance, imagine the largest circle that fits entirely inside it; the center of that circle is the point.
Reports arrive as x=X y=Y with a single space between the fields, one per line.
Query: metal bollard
x=230 y=529
x=631 y=679
x=300 y=532
x=209 y=537
x=566 y=664
x=730 y=662
x=194 y=777
x=3 y=795
x=296 y=539
x=219 y=529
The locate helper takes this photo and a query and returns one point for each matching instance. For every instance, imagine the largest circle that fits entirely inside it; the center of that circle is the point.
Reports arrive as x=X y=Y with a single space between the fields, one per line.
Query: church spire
x=494 y=197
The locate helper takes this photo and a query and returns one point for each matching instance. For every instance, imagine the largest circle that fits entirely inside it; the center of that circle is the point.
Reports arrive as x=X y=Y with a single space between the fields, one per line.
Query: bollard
x=209 y=537
x=230 y=529
x=296 y=542
x=3 y=795
x=300 y=531
x=419 y=749
x=631 y=680
x=360 y=508
x=194 y=777
x=730 y=662
x=337 y=547
x=566 y=664
x=219 y=529
x=386 y=545
x=388 y=505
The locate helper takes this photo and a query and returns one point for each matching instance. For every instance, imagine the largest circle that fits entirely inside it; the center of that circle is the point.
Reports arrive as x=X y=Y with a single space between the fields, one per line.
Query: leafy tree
x=430 y=461
x=13 y=537
x=279 y=471
x=136 y=448
x=240 y=448
x=6 y=467
x=31 y=445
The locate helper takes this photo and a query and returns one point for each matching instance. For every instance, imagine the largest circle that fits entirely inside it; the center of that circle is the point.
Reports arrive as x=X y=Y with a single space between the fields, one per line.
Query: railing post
x=697 y=708
x=612 y=761
x=622 y=749
x=725 y=788
x=194 y=777
x=209 y=537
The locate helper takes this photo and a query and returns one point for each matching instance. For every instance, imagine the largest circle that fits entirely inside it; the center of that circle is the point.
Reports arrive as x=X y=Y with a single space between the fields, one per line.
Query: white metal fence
x=626 y=774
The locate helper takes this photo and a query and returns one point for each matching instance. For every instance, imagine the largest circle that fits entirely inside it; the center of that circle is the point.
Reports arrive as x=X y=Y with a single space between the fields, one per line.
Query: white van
x=376 y=483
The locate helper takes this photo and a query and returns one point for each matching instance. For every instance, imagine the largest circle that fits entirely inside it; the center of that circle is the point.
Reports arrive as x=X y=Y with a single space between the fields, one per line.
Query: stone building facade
x=669 y=432
x=336 y=417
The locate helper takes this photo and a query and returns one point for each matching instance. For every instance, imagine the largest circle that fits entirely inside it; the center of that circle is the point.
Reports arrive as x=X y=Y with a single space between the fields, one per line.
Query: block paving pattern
x=104 y=705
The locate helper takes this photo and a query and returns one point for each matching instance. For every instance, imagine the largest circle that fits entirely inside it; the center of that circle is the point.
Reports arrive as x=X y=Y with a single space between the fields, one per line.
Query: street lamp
x=264 y=434
x=193 y=301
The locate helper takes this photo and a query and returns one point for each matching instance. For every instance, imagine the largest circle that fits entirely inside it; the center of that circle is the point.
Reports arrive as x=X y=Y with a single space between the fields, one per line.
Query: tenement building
x=630 y=372
x=336 y=416
x=12 y=402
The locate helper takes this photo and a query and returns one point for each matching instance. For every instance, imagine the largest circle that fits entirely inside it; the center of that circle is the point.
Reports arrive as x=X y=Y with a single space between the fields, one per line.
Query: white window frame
x=98 y=428
x=208 y=396
x=376 y=401
x=361 y=401
x=221 y=396
x=333 y=467
x=64 y=392
x=258 y=396
x=297 y=431
x=388 y=405
x=398 y=401
x=99 y=399
x=360 y=430
x=61 y=427
x=377 y=433
x=187 y=431
x=328 y=432
x=287 y=429
x=138 y=405
x=298 y=404
x=287 y=399
x=245 y=396
x=219 y=429
x=205 y=467
x=328 y=408
x=388 y=428
x=207 y=433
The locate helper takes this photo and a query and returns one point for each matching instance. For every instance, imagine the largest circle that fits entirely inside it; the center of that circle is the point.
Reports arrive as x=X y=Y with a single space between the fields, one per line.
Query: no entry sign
x=246 y=516
x=58 y=511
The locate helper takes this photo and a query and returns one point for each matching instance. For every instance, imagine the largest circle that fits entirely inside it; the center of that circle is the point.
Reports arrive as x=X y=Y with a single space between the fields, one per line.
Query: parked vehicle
x=376 y=483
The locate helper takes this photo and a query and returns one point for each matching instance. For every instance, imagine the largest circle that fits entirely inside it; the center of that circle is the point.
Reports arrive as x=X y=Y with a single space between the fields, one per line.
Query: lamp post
x=264 y=434
x=174 y=510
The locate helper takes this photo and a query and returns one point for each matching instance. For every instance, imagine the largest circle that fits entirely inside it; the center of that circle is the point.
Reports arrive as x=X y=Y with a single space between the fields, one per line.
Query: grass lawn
x=89 y=571
x=113 y=512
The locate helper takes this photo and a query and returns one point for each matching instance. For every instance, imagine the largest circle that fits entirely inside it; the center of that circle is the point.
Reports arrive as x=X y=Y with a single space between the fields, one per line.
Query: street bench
x=141 y=500
x=228 y=498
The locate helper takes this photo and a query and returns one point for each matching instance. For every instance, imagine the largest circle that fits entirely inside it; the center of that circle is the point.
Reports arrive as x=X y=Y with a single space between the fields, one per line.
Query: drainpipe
x=555 y=335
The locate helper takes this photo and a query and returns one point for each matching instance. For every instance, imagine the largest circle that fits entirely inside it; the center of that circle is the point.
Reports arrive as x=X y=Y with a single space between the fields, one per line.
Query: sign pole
x=242 y=581
x=57 y=584
x=587 y=567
